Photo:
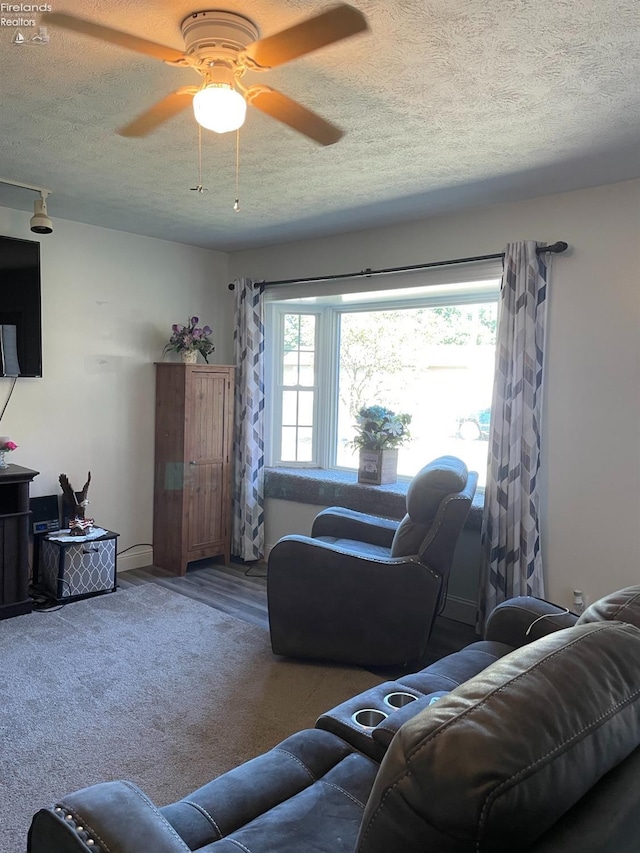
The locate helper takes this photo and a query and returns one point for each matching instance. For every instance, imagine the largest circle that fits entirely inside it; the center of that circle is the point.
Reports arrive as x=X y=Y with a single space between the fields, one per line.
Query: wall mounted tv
x=20 y=317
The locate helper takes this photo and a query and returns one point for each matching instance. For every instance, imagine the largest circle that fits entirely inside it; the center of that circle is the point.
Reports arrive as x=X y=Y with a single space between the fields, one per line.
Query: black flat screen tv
x=20 y=311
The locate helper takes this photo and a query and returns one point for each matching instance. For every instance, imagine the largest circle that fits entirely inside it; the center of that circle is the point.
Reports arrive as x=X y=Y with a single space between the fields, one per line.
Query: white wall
x=591 y=430
x=109 y=299
x=108 y=302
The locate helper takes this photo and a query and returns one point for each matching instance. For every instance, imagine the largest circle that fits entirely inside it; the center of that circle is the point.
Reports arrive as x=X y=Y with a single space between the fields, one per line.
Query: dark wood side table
x=14 y=540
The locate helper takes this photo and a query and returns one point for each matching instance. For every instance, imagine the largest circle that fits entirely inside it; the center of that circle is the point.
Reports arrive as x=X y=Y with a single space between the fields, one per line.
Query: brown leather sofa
x=528 y=740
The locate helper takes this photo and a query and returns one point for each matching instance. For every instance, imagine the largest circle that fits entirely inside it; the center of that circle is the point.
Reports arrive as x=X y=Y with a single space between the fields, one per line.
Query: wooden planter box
x=378 y=467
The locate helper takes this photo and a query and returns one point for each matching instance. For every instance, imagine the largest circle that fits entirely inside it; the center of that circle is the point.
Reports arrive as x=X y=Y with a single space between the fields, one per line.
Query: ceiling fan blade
x=290 y=112
x=162 y=111
x=88 y=28
x=337 y=23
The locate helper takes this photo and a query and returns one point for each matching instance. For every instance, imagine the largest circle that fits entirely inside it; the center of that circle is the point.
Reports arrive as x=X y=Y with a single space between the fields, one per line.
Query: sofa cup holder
x=398 y=699
x=368 y=718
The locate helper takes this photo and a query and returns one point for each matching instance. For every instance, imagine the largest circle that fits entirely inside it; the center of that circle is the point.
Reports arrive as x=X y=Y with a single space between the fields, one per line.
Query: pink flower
x=9 y=445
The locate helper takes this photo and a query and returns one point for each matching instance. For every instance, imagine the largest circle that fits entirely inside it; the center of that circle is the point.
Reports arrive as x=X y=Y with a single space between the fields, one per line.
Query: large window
x=427 y=351
x=298 y=389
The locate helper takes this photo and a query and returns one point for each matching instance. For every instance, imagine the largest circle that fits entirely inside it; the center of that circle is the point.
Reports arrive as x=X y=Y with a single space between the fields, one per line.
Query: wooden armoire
x=193 y=464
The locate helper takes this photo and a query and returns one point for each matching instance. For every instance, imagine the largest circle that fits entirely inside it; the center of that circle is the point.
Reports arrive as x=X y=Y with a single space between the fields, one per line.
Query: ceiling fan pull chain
x=236 y=204
x=199 y=187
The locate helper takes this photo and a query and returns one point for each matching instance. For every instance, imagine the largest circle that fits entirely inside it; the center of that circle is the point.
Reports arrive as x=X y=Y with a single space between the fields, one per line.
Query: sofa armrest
x=103 y=818
x=348 y=524
x=295 y=554
x=510 y=621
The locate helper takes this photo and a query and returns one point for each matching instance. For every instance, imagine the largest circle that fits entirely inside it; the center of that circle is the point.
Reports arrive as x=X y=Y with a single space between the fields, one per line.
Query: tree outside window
x=425 y=356
x=436 y=363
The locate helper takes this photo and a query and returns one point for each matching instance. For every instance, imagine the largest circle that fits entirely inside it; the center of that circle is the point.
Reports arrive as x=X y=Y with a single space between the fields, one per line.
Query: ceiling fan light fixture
x=219 y=107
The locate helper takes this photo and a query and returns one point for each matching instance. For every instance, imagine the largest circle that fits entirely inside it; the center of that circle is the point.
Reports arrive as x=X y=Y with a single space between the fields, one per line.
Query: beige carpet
x=147 y=685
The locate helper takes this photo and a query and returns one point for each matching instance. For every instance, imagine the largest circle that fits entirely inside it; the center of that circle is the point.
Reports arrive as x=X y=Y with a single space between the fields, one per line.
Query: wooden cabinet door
x=207 y=445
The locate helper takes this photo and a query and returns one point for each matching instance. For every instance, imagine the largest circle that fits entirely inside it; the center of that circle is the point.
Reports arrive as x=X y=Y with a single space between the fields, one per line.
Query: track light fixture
x=40 y=222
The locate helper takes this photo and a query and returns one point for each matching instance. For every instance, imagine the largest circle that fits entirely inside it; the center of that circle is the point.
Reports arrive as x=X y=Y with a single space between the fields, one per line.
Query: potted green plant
x=379 y=434
x=190 y=340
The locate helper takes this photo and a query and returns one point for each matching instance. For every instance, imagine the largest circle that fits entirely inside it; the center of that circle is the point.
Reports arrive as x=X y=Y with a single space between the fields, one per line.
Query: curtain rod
x=556 y=249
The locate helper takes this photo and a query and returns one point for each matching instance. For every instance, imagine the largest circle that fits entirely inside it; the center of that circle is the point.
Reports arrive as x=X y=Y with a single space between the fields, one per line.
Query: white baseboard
x=135 y=560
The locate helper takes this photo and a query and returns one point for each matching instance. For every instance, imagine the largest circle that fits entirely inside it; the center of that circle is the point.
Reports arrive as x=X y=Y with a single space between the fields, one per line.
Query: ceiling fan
x=221 y=46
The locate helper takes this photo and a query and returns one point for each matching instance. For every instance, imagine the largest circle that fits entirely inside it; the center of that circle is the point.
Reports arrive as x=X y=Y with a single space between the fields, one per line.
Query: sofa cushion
x=494 y=764
x=311 y=770
x=622 y=606
x=441 y=477
x=454 y=669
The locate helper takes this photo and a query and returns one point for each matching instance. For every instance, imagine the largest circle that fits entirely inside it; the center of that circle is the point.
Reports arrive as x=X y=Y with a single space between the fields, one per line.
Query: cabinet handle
x=90 y=551
x=193 y=462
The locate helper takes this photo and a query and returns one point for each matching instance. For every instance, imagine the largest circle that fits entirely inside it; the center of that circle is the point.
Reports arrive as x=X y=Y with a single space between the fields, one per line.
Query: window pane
x=288 y=452
x=290 y=372
x=306 y=375
x=299 y=349
x=305 y=437
x=297 y=408
x=297 y=444
x=436 y=364
x=305 y=408
x=290 y=408
x=291 y=332
x=297 y=370
x=307 y=335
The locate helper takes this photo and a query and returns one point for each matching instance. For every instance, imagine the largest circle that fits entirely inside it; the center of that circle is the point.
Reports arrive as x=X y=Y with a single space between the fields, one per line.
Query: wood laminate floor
x=241 y=591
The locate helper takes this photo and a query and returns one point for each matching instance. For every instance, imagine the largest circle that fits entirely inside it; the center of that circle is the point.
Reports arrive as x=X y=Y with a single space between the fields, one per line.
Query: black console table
x=14 y=540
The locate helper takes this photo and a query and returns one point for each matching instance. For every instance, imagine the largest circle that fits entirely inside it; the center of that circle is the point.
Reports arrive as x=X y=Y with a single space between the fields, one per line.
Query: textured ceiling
x=445 y=104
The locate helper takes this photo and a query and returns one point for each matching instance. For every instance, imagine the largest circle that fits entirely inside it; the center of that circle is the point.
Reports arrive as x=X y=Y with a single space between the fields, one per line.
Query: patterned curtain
x=248 y=446
x=511 y=557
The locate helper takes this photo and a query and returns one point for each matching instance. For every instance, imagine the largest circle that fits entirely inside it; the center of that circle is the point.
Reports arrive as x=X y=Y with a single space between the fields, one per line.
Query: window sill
x=341 y=488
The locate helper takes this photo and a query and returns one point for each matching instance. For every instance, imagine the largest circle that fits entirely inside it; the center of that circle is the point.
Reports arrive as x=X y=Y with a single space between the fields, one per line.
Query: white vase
x=189 y=356
x=3 y=461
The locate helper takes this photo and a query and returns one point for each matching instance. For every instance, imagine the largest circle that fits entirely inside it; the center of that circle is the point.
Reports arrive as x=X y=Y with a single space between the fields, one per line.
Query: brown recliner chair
x=366 y=590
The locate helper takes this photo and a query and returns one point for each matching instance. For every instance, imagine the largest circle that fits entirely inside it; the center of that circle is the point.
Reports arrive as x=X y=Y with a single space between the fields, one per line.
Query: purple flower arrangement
x=190 y=338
